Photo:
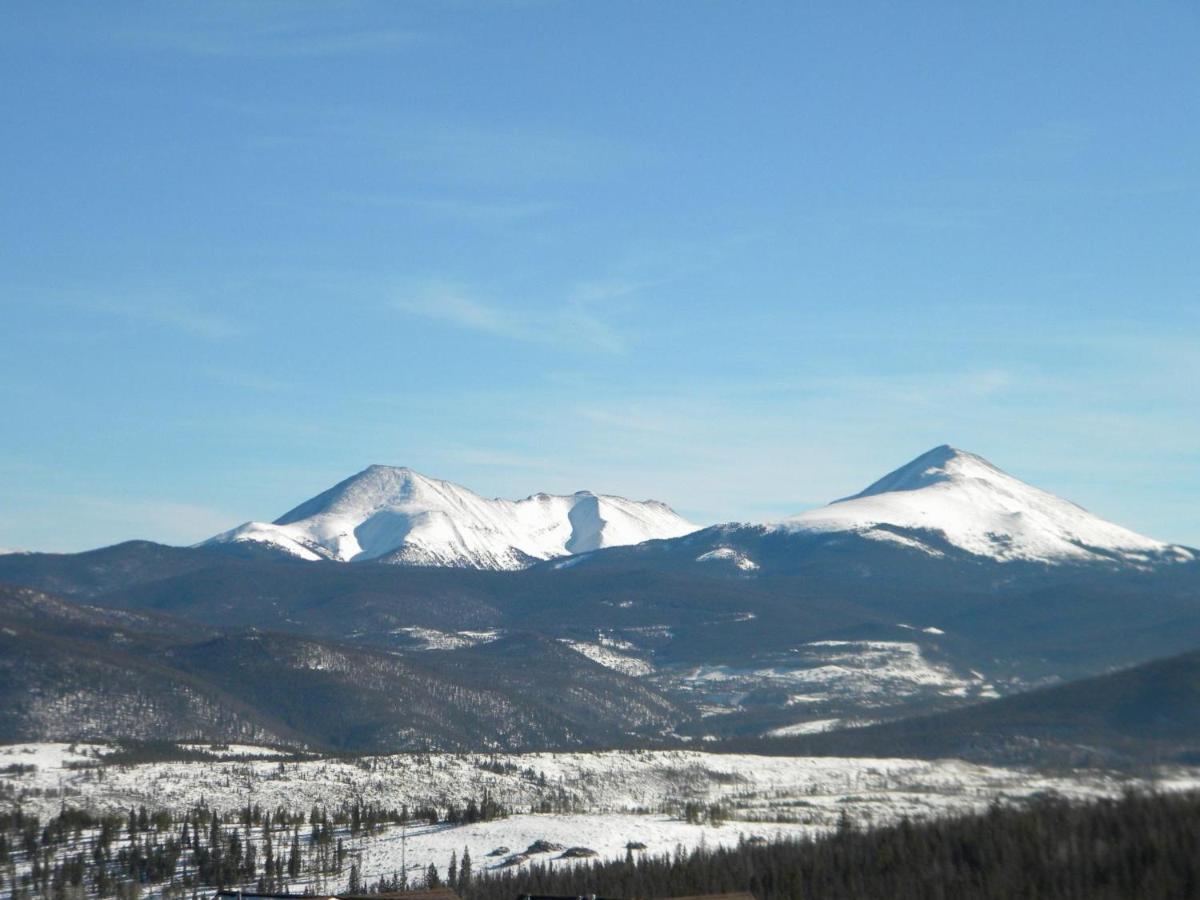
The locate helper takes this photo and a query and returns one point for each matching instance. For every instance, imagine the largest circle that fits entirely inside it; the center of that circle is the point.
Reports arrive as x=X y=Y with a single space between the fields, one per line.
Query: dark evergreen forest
x=1140 y=846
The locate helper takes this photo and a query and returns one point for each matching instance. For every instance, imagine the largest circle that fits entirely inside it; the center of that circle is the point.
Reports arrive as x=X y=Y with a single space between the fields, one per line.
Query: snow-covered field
x=804 y=790
x=842 y=675
x=503 y=842
x=603 y=800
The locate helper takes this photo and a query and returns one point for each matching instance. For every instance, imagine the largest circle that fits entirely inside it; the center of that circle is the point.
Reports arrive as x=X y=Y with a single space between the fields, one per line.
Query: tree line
x=1143 y=846
x=76 y=853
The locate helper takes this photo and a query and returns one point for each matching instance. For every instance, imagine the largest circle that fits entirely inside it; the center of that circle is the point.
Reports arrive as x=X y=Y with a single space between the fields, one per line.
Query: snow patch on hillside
x=731 y=556
x=433 y=639
x=607 y=656
x=239 y=751
x=862 y=673
x=813 y=726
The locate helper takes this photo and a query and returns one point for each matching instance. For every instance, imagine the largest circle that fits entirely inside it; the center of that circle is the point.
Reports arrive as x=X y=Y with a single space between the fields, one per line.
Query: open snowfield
x=603 y=800
x=804 y=790
x=503 y=842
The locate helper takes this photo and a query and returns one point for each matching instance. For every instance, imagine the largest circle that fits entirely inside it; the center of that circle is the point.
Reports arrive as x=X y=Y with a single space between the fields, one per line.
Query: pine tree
x=464 y=870
x=294 y=859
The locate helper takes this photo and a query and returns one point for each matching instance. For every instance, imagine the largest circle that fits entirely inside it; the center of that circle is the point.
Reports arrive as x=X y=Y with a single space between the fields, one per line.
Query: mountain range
x=947 y=504
x=945 y=500
x=395 y=515
x=944 y=584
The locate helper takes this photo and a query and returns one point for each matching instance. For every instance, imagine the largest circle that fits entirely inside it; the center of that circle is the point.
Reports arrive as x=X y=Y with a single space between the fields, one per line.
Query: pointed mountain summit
x=964 y=501
x=396 y=515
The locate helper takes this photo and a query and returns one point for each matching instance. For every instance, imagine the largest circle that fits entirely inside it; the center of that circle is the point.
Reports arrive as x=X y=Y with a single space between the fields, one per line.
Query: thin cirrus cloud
x=462 y=152
x=250 y=381
x=576 y=322
x=280 y=43
x=477 y=212
x=179 y=317
x=258 y=30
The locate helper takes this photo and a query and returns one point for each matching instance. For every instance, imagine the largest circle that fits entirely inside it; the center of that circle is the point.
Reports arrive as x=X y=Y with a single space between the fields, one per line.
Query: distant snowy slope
x=974 y=506
x=396 y=515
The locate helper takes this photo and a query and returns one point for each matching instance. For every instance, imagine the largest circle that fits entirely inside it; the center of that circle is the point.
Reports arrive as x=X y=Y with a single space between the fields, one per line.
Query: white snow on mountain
x=974 y=506
x=730 y=556
x=396 y=515
x=612 y=659
x=433 y=639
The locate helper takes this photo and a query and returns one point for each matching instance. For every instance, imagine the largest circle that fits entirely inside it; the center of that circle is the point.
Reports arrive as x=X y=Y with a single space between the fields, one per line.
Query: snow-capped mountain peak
x=975 y=506
x=395 y=514
x=936 y=466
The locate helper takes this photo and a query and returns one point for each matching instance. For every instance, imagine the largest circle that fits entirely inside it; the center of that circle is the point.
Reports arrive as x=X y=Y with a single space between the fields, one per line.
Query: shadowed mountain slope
x=1148 y=713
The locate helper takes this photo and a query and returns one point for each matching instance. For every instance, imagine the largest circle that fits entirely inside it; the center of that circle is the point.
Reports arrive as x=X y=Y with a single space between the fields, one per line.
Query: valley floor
x=600 y=801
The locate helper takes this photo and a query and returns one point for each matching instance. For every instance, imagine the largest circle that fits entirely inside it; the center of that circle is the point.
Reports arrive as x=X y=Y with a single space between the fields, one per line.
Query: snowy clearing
x=601 y=800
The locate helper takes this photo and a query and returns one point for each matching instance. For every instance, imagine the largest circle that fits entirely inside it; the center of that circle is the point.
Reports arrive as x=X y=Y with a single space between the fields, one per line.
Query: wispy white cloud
x=473 y=456
x=477 y=211
x=250 y=381
x=452 y=304
x=275 y=43
x=574 y=321
x=170 y=314
x=123 y=307
x=416 y=152
x=262 y=29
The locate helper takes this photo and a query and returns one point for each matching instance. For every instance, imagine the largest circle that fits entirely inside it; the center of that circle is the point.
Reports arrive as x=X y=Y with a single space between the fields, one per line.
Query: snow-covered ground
x=812 y=726
x=858 y=674
x=730 y=556
x=751 y=788
x=433 y=639
x=605 y=800
x=227 y=751
x=613 y=659
x=503 y=842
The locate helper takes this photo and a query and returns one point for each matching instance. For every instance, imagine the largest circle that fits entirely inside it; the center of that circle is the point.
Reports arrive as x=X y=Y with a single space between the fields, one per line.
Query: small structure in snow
x=431 y=894
x=578 y=853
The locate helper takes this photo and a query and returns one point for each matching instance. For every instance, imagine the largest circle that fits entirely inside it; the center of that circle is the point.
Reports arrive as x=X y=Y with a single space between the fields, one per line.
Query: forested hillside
x=1147 y=714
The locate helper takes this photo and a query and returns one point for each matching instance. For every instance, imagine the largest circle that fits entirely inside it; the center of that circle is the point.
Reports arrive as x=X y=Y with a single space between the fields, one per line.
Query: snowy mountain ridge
x=976 y=507
x=396 y=515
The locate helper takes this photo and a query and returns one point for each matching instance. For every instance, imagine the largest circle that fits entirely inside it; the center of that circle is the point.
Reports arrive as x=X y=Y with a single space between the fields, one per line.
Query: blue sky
x=741 y=257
